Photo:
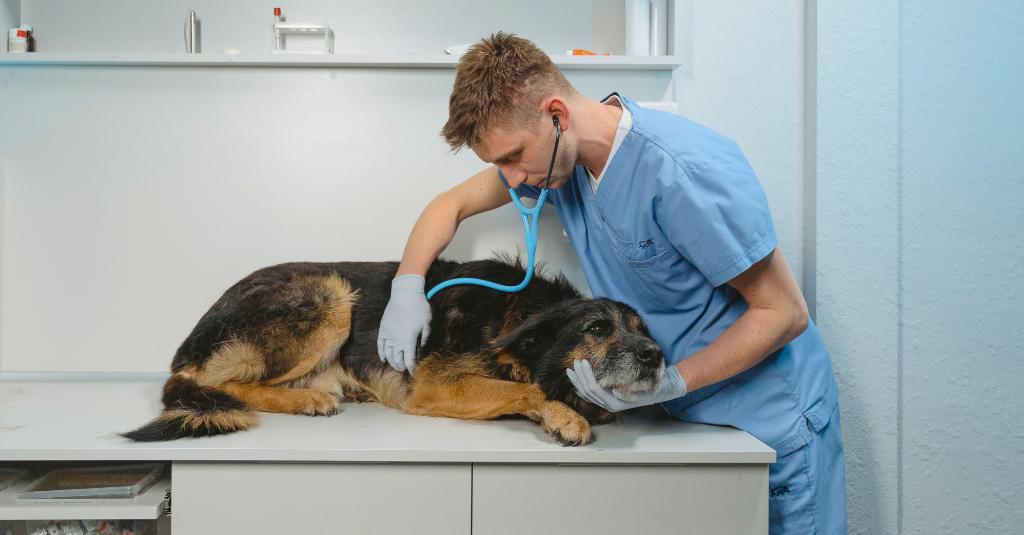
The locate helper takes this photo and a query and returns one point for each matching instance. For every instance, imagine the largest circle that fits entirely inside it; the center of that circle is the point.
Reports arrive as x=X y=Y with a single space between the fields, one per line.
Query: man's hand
x=406 y=317
x=582 y=377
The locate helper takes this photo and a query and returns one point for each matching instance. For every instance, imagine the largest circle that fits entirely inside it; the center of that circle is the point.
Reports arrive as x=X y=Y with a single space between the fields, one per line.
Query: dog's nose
x=649 y=355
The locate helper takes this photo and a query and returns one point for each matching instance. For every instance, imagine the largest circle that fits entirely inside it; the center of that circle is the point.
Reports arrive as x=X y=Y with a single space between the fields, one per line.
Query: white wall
x=380 y=26
x=3 y=203
x=10 y=16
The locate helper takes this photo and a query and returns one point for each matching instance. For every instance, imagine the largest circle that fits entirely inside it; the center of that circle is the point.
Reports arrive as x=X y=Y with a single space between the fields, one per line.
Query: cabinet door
x=320 y=498
x=567 y=499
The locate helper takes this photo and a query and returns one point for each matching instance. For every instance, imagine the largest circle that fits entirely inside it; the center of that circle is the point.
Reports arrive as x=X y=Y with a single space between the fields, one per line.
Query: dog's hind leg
x=301 y=372
x=475 y=397
x=306 y=401
x=300 y=355
x=338 y=382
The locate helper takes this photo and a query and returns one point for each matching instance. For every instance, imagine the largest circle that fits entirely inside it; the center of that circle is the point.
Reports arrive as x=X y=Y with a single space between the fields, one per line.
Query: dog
x=300 y=338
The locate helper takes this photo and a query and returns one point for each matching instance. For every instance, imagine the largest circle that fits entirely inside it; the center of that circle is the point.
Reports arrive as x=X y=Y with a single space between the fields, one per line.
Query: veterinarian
x=668 y=217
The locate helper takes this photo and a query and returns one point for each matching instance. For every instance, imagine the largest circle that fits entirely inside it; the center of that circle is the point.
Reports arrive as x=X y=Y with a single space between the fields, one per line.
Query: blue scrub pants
x=807 y=487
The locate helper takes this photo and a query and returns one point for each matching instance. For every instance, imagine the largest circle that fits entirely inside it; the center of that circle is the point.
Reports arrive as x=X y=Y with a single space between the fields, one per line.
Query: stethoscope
x=530 y=216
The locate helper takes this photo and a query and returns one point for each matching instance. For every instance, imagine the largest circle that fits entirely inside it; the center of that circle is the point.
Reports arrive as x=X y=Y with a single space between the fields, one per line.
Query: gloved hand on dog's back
x=406 y=317
x=581 y=376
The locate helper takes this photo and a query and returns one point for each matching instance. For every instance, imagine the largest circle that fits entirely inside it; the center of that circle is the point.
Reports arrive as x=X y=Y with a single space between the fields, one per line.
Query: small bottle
x=192 y=44
x=31 y=38
x=638 y=27
x=278 y=18
x=17 y=40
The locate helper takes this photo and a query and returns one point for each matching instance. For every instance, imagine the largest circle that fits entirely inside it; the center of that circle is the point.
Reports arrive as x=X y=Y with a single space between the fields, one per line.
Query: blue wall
x=918 y=143
x=962 y=265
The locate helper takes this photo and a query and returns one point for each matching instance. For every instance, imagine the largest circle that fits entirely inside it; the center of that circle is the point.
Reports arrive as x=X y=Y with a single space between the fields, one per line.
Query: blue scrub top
x=678 y=213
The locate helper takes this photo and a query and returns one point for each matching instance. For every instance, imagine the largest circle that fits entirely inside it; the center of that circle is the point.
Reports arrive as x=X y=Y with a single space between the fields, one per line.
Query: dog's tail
x=194 y=410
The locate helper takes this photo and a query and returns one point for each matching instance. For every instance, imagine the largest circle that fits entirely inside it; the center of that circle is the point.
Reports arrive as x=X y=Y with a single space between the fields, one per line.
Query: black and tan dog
x=300 y=338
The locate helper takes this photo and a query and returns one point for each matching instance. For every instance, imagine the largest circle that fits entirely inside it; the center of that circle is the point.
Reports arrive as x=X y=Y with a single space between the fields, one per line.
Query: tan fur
x=573 y=355
x=287 y=400
x=226 y=421
x=337 y=381
x=474 y=397
x=636 y=323
x=237 y=361
x=389 y=387
x=516 y=369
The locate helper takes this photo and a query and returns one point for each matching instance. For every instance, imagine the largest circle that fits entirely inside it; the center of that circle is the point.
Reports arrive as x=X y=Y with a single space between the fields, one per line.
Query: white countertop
x=72 y=421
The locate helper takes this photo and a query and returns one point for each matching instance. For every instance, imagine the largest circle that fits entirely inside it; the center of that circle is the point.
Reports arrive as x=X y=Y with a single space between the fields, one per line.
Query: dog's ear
x=532 y=337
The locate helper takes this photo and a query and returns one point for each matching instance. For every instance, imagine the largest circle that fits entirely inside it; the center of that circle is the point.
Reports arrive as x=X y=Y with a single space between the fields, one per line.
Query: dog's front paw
x=355 y=394
x=566 y=425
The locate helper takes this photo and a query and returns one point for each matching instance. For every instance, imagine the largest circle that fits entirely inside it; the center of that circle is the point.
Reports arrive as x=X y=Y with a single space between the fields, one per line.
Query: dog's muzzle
x=634 y=369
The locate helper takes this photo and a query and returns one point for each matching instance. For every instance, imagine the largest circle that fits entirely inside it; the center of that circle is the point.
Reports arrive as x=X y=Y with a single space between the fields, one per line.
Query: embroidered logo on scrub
x=779 y=491
x=647 y=243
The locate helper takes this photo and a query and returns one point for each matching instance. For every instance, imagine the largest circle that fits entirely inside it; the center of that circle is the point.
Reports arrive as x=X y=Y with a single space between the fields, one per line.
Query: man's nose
x=514 y=176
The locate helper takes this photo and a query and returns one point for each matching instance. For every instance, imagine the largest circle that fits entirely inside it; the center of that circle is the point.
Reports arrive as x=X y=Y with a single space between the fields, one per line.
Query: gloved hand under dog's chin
x=672 y=386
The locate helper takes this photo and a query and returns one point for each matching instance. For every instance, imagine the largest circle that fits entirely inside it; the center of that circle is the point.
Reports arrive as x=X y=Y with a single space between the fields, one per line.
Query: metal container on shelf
x=192 y=43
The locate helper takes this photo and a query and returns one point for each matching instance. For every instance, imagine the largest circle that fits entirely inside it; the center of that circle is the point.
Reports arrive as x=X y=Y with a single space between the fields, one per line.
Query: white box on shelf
x=294 y=38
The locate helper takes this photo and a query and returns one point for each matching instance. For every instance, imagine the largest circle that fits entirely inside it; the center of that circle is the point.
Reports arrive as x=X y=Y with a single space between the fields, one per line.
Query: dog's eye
x=599 y=328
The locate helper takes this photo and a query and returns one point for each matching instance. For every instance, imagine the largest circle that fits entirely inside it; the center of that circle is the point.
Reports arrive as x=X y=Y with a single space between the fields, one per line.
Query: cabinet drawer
x=320 y=498
x=705 y=499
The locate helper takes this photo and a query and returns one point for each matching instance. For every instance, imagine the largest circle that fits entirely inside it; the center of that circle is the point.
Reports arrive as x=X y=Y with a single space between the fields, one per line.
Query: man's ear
x=532 y=337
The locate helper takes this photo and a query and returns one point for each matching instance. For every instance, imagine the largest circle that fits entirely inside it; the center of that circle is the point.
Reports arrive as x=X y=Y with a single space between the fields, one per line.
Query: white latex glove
x=582 y=377
x=406 y=317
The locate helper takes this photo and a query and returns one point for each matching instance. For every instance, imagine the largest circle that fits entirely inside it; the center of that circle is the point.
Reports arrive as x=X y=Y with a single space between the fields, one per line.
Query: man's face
x=524 y=156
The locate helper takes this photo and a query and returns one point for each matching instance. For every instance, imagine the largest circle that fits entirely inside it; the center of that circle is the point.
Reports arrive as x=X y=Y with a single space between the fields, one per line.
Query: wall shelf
x=376 y=61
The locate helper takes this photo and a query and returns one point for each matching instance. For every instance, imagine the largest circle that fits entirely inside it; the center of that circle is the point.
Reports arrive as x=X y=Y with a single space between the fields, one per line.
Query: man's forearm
x=755 y=335
x=430 y=235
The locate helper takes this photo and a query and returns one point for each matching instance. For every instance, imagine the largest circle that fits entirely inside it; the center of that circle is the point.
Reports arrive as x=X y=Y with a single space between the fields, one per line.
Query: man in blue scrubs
x=667 y=216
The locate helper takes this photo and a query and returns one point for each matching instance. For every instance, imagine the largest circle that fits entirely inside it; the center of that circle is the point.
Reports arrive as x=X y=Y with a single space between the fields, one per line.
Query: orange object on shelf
x=585 y=52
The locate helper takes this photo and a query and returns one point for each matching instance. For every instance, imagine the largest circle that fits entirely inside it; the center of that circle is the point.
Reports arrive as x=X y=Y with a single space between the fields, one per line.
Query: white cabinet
x=321 y=498
x=483 y=499
x=591 y=499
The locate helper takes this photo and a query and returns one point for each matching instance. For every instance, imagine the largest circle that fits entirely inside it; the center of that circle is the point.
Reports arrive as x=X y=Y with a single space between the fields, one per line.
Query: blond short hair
x=499 y=81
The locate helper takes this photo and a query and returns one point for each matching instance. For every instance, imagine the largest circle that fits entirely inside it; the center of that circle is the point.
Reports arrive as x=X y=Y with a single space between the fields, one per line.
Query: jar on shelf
x=30 y=35
x=17 y=40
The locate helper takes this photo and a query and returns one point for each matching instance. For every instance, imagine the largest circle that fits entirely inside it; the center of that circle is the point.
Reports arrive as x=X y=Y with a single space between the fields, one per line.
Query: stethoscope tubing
x=531 y=219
